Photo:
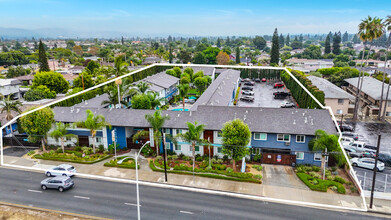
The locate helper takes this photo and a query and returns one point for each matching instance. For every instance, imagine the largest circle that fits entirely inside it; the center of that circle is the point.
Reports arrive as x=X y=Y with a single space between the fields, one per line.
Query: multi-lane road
x=118 y=201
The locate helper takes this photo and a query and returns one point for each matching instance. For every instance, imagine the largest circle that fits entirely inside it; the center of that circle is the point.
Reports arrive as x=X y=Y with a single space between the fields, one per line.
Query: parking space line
x=81 y=197
x=186 y=212
x=131 y=204
x=36 y=191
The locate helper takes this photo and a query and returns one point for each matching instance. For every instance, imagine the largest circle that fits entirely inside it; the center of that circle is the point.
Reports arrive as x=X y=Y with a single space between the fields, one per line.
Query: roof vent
x=294 y=122
x=305 y=120
x=72 y=108
x=292 y=113
x=77 y=110
x=190 y=113
x=312 y=121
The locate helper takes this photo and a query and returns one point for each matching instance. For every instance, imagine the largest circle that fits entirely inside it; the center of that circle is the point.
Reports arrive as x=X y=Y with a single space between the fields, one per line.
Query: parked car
x=361 y=146
x=353 y=153
x=350 y=134
x=247 y=99
x=345 y=127
x=385 y=158
x=247 y=92
x=368 y=163
x=257 y=80
x=249 y=83
x=280 y=95
x=247 y=88
x=60 y=183
x=287 y=105
x=61 y=170
x=278 y=85
x=263 y=79
x=346 y=140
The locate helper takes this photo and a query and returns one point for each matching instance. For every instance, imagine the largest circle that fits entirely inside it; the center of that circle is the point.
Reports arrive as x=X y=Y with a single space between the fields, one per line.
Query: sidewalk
x=265 y=189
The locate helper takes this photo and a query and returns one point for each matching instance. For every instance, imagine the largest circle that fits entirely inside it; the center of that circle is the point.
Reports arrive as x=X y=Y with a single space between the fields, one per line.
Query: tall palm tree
x=369 y=30
x=193 y=136
x=142 y=87
x=8 y=106
x=120 y=68
x=93 y=123
x=60 y=133
x=387 y=25
x=156 y=121
x=183 y=91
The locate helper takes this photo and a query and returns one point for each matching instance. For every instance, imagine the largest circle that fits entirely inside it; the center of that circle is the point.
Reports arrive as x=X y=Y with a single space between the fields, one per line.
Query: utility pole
x=375 y=170
x=164 y=156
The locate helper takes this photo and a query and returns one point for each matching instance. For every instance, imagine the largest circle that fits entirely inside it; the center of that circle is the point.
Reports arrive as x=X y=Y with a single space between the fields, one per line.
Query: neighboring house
x=10 y=87
x=76 y=69
x=221 y=92
x=151 y=60
x=163 y=84
x=370 y=95
x=208 y=71
x=306 y=65
x=69 y=77
x=281 y=135
x=374 y=63
x=338 y=99
x=26 y=80
x=93 y=58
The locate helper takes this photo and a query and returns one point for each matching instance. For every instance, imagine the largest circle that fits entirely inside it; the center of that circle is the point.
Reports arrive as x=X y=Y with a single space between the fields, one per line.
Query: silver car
x=61 y=170
x=59 y=182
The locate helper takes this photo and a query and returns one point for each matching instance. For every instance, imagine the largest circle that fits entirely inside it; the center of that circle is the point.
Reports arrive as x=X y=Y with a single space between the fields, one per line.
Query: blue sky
x=206 y=18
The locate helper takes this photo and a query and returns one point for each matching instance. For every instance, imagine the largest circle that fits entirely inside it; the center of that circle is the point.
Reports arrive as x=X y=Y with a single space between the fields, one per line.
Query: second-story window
x=340 y=101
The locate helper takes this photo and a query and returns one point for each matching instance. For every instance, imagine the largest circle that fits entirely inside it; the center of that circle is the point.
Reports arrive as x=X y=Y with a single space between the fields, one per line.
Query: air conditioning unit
x=287 y=143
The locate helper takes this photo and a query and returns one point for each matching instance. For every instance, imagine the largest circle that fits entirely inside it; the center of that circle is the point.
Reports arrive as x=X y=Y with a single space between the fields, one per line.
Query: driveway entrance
x=277 y=175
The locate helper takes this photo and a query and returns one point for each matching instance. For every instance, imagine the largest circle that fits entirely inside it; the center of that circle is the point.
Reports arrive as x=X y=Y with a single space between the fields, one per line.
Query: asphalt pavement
x=118 y=201
x=383 y=179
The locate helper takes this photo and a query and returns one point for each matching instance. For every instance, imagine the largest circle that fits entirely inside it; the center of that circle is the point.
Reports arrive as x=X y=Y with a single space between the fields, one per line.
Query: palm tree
x=61 y=132
x=120 y=68
x=193 y=135
x=325 y=143
x=387 y=25
x=93 y=123
x=369 y=30
x=142 y=87
x=9 y=106
x=183 y=91
x=156 y=121
x=155 y=99
x=113 y=94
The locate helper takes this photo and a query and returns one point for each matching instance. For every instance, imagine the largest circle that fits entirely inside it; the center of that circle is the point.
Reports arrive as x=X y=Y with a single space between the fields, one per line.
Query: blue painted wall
x=168 y=141
x=121 y=136
x=14 y=126
x=84 y=133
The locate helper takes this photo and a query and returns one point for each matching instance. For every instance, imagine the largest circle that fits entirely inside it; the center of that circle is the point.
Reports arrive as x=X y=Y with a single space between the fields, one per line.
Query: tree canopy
x=52 y=80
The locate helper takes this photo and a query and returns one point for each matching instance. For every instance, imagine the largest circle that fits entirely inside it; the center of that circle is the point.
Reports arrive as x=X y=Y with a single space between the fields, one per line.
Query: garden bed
x=312 y=177
x=128 y=163
x=217 y=170
x=73 y=156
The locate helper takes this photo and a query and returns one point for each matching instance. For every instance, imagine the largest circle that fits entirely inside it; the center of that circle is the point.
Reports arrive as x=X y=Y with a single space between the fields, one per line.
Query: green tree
x=259 y=42
x=53 y=80
x=312 y=52
x=237 y=55
x=178 y=72
x=120 y=68
x=93 y=123
x=42 y=59
x=337 y=43
x=38 y=93
x=327 y=47
x=211 y=54
x=218 y=44
x=183 y=91
x=287 y=40
x=156 y=121
x=17 y=71
x=92 y=66
x=141 y=101
x=236 y=136
x=37 y=125
x=201 y=83
x=275 y=52
x=60 y=133
x=199 y=58
x=193 y=136
x=84 y=80
x=170 y=56
x=8 y=106
x=281 y=41
x=345 y=37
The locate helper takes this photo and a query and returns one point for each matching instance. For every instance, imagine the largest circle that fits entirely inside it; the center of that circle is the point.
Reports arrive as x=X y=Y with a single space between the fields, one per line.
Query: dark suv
x=247 y=99
x=247 y=88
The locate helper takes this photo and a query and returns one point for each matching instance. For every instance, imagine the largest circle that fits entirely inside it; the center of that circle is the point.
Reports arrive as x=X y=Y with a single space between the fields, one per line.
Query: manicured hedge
x=47 y=156
x=322 y=185
x=124 y=164
x=269 y=74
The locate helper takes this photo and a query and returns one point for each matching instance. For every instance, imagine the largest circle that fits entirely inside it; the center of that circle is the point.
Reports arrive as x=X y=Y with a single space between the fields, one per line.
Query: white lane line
x=186 y=212
x=131 y=204
x=36 y=191
x=81 y=197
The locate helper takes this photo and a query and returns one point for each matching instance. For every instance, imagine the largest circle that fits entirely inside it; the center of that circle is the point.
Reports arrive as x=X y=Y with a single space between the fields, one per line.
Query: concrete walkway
x=270 y=188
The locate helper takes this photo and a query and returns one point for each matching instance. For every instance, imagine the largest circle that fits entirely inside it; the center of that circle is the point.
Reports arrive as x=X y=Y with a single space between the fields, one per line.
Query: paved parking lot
x=263 y=96
x=383 y=179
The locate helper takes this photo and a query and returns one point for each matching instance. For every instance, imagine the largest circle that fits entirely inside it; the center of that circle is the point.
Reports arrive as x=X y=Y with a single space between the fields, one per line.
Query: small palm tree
x=113 y=96
x=183 y=91
x=93 y=123
x=387 y=25
x=60 y=133
x=193 y=136
x=156 y=121
x=8 y=106
x=120 y=68
x=142 y=87
x=155 y=99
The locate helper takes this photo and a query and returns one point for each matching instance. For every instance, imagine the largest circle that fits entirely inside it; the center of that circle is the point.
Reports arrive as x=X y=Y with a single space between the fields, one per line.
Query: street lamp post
x=138 y=194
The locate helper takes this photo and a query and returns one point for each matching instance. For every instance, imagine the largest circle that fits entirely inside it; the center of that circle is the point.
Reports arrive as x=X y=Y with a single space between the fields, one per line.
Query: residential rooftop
x=370 y=86
x=162 y=80
x=10 y=82
x=330 y=90
x=208 y=71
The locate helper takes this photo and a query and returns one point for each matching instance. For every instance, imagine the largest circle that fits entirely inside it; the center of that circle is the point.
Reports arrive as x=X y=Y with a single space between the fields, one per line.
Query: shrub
x=59 y=150
x=229 y=170
x=339 y=179
x=307 y=168
x=353 y=189
x=225 y=158
x=31 y=152
x=77 y=148
x=258 y=177
x=334 y=188
x=87 y=150
x=174 y=157
x=181 y=156
x=198 y=158
x=315 y=168
x=105 y=152
x=315 y=175
x=257 y=157
x=159 y=158
x=101 y=148
x=257 y=167
x=322 y=185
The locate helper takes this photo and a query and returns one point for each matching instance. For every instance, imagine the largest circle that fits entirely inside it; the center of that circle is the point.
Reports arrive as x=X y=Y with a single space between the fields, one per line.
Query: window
x=389 y=104
x=284 y=137
x=388 y=113
x=299 y=155
x=167 y=130
x=317 y=156
x=68 y=138
x=257 y=150
x=219 y=150
x=339 y=111
x=177 y=147
x=98 y=139
x=167 y=145
x=300 y=138
x=340 y=101
x=260 y=136
x=219 y=134
x=197 y=148
x=178 y=131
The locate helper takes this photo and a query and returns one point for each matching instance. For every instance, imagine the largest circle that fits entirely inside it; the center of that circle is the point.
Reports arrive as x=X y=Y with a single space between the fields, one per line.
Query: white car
x=368 y=163
x=245 y=92
x=346 y=140
x=61 y=170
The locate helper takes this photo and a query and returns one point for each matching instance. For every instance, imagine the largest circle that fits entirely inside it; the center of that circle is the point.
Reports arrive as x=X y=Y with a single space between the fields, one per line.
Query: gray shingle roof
x=208 y=71
x=370 y=86
x=162 y=79
x=220 y=91
x=330 y=90
x=268 y=120
x=94 y=102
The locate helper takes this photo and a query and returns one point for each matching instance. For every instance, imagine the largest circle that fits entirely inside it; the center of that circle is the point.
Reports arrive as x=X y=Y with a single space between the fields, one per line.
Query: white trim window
x=178 y=147
x=98 y=139
x=256 y=150
x=197 y=148
x=317 y=156
x=178 y=131
x=299 y=155
x=339 y=111
x=219 y=134
x=340 y=101
x=219 y=150
x=284 y=137
x=260 y=136
x=300 y=138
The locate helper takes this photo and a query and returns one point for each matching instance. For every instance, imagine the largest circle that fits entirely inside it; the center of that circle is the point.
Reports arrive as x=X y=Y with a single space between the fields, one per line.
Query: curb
x=378 y=212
